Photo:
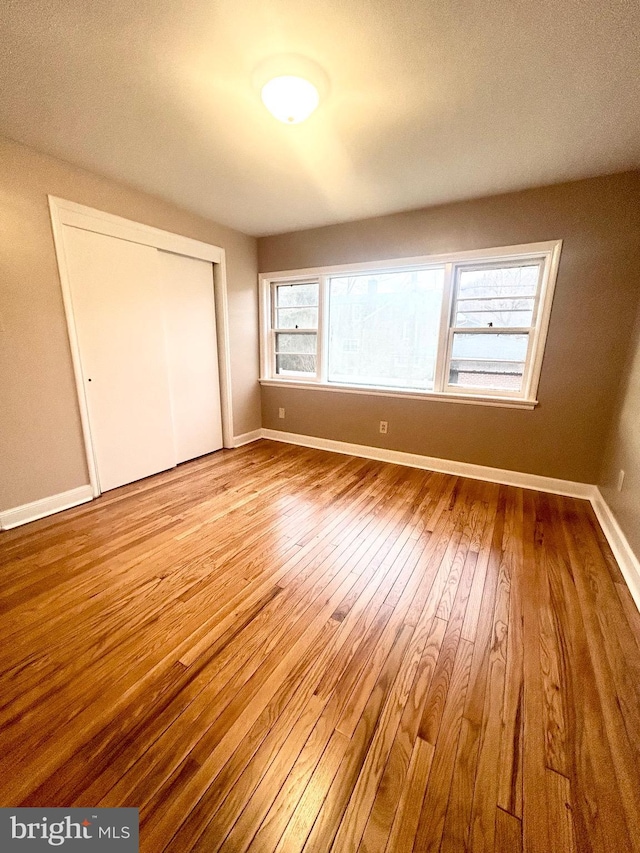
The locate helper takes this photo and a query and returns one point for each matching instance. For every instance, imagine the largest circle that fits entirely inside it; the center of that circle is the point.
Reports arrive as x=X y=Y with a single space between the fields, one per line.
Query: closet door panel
x=192 y=354
x=118 y=311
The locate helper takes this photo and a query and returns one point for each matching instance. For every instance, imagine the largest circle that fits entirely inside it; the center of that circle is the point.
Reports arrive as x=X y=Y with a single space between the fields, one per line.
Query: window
x=492 y=324
x=295 y=324
x=470 y=326
x=383 y=328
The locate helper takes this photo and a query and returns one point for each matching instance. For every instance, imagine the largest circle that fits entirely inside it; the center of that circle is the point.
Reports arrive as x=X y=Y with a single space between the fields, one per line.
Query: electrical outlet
x=384 y=427
x=620 y=480
x=281 y=412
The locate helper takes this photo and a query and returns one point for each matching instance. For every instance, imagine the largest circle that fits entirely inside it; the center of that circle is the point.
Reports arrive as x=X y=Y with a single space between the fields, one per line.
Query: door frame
x=69 y=213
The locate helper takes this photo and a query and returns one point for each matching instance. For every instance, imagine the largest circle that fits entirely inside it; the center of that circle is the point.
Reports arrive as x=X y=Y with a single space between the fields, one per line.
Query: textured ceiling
x=429 y=101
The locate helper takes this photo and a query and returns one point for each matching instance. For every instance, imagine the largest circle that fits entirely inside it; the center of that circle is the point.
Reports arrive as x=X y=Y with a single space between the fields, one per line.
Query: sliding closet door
x=192 y=354
x=117 y=305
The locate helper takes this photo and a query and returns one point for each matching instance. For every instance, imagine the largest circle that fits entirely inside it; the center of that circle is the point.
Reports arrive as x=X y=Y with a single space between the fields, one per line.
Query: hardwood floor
x=280 y=649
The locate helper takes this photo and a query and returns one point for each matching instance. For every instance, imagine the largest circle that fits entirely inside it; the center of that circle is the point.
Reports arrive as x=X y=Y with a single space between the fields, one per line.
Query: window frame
x=525 y=392
x=275 y=330
x=547 y=253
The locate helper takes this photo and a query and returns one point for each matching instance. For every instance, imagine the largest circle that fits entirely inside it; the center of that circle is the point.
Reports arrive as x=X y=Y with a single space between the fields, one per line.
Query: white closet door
x=117 y=305
x=192 y=354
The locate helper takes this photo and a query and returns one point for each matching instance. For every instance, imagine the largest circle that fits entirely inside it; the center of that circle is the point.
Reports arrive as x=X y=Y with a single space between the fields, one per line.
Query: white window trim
x=274 y=330
x=549 y=251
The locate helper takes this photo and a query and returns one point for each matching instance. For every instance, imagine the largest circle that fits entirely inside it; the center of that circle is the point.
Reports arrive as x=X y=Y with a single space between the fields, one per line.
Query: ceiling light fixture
x=291 y=86
x=289 y=98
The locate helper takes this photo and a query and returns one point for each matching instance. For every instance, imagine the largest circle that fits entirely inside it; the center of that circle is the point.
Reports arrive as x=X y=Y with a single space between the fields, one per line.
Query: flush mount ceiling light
x=290 y=86
x=289 y=98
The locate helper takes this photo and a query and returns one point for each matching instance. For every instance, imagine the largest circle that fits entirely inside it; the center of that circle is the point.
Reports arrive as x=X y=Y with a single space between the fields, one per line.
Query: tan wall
x=623 y=450
x=594 y=307
x=41 y=450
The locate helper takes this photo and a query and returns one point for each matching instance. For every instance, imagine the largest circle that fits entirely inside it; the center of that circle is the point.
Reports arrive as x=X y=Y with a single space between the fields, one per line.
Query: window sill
x=376 y=391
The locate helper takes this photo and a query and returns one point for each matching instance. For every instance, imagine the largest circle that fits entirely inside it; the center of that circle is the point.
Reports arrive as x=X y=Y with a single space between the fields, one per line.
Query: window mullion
x=443 y=350
x=323 y=329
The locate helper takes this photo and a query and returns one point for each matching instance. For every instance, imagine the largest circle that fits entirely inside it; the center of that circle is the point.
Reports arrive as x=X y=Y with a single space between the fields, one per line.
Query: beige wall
x=597 y=294
x=623 y=450
x=41 y=450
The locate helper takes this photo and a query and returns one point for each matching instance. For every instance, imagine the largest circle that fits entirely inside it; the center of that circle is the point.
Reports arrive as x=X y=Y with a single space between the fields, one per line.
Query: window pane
x=504 y=375
x=504 y=347
x=488 y=361
x=293 y=295
x=296 y=343
x=516 y=282
x=493 y=303
x=289 y=364
x=383 y=328
x=499 y=312
x=297 y=318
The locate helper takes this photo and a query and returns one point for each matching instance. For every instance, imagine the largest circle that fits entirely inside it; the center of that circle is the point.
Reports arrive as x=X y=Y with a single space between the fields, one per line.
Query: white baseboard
x=622 y=551
x=247 y=437
x=45 y=506
x=444 y=466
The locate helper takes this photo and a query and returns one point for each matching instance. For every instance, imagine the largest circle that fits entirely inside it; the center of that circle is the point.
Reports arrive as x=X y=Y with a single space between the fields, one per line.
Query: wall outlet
x=384 y=427
x=281 y=412
x=620 y=480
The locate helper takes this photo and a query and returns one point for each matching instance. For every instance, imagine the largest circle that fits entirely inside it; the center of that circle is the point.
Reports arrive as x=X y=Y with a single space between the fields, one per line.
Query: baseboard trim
x=247 y=437
x=622 y=551
x=443 y=466
x=45 y=506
